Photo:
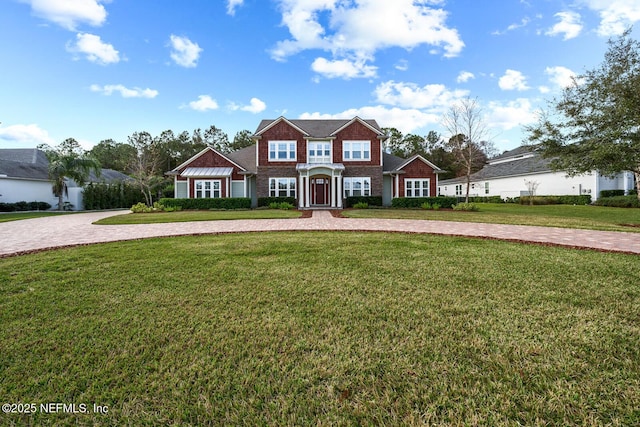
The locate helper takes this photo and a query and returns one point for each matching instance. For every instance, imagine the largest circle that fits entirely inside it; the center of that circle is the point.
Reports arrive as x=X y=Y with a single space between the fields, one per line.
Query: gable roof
x=435 y=168
x=318 y=128
x=519 y=164
x=245 y=157
x=185 y=163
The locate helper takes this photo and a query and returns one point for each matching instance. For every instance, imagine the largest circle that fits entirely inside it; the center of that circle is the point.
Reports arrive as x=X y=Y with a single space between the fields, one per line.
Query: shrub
x=611 y=193
x=435 y=207
x=619 y=202
x=267 y=201
x=351 y=201
x=110 y=196
x=416 y=202
x=426 y=206
x=469 y=207
x=286 y=206
x=486 y=199
x=274 y=205
x=204 y=204
x=141 y=208
x=361 y=205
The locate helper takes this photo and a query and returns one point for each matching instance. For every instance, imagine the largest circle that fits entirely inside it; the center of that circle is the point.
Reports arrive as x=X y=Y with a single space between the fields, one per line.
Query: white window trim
x=413 y=187
x=275 y=143
x=348 y=185
x=458 y=189
x=328 y=160
x=212 y=190
x=290 y=184
x=362 y=151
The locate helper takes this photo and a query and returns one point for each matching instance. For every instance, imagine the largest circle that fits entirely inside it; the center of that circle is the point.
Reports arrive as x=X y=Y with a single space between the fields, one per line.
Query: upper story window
x=282 y=151
x=356 y=150
x=319 y=152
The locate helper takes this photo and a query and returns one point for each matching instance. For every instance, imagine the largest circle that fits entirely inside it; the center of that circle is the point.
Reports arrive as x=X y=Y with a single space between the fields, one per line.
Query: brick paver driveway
x=77 y=229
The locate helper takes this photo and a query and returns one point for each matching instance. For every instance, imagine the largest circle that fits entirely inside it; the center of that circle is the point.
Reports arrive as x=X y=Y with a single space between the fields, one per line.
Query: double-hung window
x=208 y=189
x=357 y=186
x=459 y=190
x=282 y=187
x=486 y=187
x=356 y=150
x=282 y=151
x=416 y=188
x=319 y=152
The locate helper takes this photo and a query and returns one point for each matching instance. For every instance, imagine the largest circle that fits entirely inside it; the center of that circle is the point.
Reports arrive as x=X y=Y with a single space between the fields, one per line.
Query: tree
x=214 y=138
x=68 y=161
x=469 y=137
x=597 y=119
x=145 y=166
x=532 y=186
x=113 y=155
x=241 y=140
x=393 y=143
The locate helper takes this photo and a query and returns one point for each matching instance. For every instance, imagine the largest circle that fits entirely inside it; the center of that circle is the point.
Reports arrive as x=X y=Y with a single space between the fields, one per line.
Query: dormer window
x=356 y=150
x=319 y=152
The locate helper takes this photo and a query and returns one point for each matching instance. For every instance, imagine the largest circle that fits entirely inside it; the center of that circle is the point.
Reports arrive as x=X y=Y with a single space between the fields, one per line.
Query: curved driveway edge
x=29 y=235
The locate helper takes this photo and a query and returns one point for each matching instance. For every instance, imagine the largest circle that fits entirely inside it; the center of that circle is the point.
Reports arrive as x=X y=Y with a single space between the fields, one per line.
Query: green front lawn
x=322 y=328
x=566 y=216
x=15 y=216
x=184 y=216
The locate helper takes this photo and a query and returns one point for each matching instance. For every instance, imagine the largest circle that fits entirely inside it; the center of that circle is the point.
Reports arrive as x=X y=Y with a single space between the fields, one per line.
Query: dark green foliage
x=111 y=196
x=24 y=206
x=267 y=201
x=417 y=202
x=619 y=202
x=611 y=193
x=361 y=205
x=369 y=200
x=557 y=200
x=487 y=199
x=221 y=203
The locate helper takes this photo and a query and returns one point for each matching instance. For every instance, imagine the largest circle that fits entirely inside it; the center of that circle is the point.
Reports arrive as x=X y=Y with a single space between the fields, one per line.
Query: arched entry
x=320 y=190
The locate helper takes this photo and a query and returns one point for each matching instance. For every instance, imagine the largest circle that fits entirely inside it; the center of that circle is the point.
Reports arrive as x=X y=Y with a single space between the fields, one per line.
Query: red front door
x=320 y=188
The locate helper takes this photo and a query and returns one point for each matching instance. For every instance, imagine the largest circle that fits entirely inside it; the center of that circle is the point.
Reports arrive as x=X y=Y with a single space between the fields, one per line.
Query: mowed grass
x=15 y=216
x=323 y=328
x=185 y=216
x=566 y=216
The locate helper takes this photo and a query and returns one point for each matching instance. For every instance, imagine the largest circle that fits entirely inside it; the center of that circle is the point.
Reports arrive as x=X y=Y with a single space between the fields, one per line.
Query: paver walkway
x=77 y=229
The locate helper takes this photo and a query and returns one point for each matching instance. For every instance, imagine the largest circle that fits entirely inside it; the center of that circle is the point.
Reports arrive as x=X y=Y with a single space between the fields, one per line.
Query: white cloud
x=510 y=115
x=405 y=120
x=465 y=76
x=616 y=15
x=70 y=13
x=357 y=29
x=523 y=23
x=25 y=134
x=255 y=106
x=94 y=49
x=125 y=92
x=410 y=95
x=184 y=52
x=204 y=103
x=560 y=76
x=343 y=68
x=569 y=25
x=513 y=80
x=232 y=5
x=402 y=65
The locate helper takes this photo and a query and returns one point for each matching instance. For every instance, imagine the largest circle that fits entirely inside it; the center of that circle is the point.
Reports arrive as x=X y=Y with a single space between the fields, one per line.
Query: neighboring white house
x=507 y=174
x=24 y=177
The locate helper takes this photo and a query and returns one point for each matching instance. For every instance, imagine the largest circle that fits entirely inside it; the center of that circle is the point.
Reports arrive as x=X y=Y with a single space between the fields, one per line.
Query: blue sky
x=100 y=69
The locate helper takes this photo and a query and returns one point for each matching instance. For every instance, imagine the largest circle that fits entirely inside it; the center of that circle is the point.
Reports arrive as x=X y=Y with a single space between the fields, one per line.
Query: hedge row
x=417 y=202
x=111 y=196
x=267 y=201
x=614 y=193
x=557 y=200
x=204 y=204
x=619 y=202
x=485 y=199
x=369 y=200
x=24 y=206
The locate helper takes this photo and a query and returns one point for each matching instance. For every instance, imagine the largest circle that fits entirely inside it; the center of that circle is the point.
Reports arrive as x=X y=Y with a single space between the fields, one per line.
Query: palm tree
x=65 y=164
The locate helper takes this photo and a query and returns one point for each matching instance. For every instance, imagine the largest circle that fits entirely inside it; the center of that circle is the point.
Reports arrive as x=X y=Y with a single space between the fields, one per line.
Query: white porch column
x=188 y=188
x=339 y=192
x=627 y=177
x=228 y=186
x=307 y=192
x=175 y=186
x=301 y=191
x=397 y=185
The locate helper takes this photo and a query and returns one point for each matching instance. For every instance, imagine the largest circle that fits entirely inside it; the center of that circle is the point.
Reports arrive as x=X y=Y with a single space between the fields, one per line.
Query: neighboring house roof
x=391 y=162
x=517 y=162
x=31 y=163
x=323 y=128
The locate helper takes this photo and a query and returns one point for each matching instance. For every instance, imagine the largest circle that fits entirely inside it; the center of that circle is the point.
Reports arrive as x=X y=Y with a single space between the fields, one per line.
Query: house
x=318 y=162
x=507 y=175
x=24 y=176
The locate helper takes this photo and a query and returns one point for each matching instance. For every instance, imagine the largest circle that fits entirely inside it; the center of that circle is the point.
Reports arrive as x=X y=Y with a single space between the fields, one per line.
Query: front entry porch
x=320 y=185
